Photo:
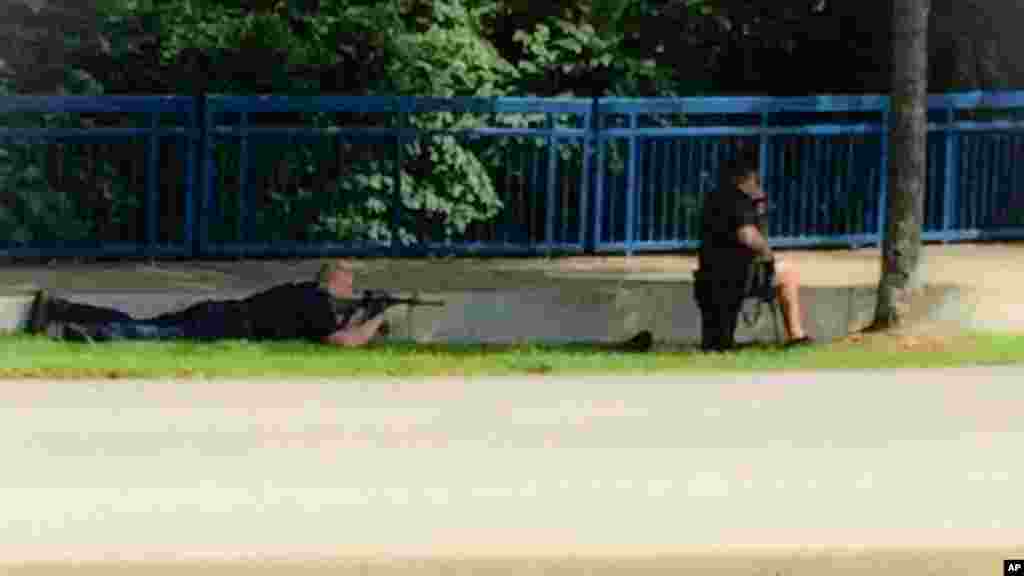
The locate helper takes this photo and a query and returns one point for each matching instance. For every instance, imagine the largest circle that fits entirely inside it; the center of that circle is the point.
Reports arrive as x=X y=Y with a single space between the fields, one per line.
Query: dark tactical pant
x=209 y=320
x=720 y=294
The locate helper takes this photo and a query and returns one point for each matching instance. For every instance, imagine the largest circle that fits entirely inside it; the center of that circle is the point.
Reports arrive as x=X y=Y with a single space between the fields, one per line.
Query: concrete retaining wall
x=14 y=311
x=564 y=312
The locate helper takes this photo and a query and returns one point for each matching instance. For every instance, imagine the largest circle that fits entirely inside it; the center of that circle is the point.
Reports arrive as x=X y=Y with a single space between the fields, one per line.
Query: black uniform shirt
x=723 y=215
x=294 y=311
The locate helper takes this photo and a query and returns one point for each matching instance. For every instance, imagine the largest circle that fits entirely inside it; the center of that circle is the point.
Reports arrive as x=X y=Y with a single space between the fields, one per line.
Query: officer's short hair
x=739 y=166
x=328 y=269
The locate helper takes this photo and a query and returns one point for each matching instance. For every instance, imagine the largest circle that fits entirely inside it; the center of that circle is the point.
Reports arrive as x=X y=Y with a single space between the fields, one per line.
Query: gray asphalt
x=120 y=470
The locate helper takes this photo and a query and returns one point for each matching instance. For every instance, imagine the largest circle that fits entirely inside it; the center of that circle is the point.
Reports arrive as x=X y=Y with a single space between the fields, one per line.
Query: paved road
x=130 y=470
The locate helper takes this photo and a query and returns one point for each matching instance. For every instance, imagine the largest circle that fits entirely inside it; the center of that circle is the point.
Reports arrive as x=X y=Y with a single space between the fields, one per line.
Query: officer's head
x=742 y=172
x=336 y=277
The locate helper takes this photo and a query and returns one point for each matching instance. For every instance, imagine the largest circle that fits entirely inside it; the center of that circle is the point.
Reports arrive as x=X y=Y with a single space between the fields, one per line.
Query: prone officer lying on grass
x=325 y=311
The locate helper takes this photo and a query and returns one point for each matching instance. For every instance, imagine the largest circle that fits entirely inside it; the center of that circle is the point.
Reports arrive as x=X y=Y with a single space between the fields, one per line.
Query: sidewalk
x=968 y=264
x=987 y=274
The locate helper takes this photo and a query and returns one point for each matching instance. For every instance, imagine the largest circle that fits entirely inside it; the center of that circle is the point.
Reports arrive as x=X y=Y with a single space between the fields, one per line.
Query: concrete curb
x=599 y=311
x=15 y=307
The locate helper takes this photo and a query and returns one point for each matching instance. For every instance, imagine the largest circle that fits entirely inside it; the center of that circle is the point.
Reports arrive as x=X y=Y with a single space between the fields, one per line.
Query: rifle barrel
x=392 y=300
x=418 y=302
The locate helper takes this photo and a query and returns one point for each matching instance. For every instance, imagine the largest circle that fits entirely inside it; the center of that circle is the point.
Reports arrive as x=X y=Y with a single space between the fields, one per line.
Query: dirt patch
x=68 y=374
x=904 y=341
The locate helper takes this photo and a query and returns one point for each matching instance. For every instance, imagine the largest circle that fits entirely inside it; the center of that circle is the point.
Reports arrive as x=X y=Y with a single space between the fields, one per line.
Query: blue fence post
x=152 y=201
x=765 y=159
x=201 y=120
x=631 y=172
x=883 y=184
x=198 y=183
x=951 y=188
x=401 y=122
x=587 y=240
x=189 y=155
x=599 y=175
x=982 y=168
x=243 y=177
x=209 y=140
x=1013 y=204
x=552 y=182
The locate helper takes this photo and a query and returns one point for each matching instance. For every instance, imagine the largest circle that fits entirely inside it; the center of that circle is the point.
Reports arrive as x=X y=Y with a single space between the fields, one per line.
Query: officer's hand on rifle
x=375 y=302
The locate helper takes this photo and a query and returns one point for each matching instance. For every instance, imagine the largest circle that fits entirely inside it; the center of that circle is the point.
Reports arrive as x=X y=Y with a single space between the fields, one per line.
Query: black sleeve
x=744 y=211
x=320 y=321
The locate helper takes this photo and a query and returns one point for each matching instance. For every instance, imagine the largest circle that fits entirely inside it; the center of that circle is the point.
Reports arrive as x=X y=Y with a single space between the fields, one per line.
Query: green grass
x=31 y=357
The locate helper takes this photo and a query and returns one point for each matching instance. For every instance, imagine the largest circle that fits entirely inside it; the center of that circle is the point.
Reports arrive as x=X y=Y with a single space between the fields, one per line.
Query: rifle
x=383 y=298
x=377 y=300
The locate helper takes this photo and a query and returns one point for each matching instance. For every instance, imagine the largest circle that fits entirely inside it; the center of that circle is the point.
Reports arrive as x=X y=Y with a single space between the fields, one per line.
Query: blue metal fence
x=130 y=128
x=384 y=130
x=304 y=176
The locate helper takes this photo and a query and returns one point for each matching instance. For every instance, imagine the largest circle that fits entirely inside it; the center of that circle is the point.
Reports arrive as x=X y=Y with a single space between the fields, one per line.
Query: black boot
x=642 y=342
x=40 y=312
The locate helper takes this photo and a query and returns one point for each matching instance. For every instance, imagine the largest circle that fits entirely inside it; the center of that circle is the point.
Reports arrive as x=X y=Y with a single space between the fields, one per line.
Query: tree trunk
x=901 y=245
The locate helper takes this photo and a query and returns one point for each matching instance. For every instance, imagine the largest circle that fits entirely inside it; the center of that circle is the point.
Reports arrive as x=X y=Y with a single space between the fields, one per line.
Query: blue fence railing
x=381 y=142
x=83 y=176
x=332 y=175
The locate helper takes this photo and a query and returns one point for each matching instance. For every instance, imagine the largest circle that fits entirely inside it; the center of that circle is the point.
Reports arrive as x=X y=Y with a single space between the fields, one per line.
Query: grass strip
x=25 y=357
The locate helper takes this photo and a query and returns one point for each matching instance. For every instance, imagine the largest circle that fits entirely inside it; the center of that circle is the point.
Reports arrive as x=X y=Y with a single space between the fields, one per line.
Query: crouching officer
x=736 y=261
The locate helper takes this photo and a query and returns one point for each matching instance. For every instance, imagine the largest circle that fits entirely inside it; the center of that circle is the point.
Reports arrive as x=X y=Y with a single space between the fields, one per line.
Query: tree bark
x=901 y=245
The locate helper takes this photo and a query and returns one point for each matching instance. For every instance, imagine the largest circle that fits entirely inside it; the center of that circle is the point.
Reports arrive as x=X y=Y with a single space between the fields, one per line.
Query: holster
x=760 y=280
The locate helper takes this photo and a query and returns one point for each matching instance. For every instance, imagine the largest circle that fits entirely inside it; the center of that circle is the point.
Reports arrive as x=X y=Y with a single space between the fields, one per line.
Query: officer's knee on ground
x=718 y=299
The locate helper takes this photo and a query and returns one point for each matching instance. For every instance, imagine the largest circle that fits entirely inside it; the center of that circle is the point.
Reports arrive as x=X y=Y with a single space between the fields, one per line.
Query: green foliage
x=445 y=187
x=30 y=209
x=428 y=48
x=606 y=47
x=455 y=190
x=449 y=57
x=413 y=47
x=368 y=191
x=563 y=48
